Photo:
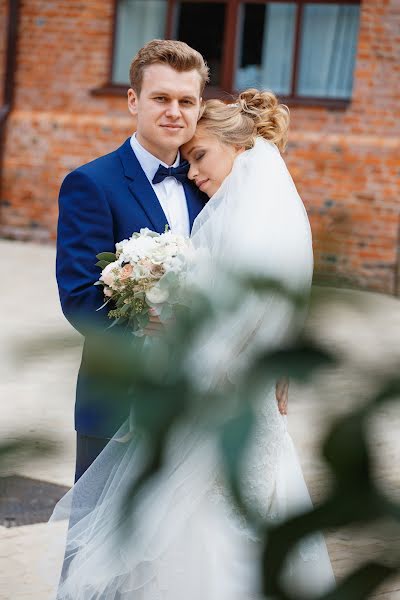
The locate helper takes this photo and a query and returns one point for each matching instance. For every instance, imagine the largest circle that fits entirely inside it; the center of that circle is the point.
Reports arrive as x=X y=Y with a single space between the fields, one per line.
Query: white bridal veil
x=187 y=541
x=256 y=222
x=255 y=225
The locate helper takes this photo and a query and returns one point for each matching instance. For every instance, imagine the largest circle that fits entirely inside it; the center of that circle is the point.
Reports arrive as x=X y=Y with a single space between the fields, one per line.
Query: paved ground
x=38 y=395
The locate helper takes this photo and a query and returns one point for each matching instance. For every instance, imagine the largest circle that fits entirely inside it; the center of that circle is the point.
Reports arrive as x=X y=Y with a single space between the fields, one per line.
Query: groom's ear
x=132 y=101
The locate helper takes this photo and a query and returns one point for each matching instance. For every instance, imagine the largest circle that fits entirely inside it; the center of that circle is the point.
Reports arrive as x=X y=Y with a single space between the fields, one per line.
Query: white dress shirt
x=169 y=192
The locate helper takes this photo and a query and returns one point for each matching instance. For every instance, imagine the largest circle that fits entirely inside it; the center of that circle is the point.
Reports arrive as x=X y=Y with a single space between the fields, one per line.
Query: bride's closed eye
x=199 y=156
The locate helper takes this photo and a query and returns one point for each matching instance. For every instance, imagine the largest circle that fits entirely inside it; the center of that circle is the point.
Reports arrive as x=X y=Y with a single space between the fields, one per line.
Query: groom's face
x=167 y=109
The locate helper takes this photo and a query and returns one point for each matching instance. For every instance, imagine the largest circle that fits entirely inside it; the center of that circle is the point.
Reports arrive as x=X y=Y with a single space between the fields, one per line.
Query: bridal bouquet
x=148 y=270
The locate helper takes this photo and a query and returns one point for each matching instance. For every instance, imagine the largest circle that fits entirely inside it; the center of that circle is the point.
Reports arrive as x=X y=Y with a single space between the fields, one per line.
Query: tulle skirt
x=184 y=538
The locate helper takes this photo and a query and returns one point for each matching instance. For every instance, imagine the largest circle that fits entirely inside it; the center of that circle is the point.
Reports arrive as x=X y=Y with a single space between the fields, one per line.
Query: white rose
x=145 y=231
x=159 y=256
x=129 y=257
x=156 y=295
x=174 y=264
x=143 y=246
x=108 y=275
x=119 y=247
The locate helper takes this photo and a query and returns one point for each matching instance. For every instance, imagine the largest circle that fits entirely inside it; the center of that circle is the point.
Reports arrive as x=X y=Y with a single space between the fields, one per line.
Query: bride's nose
x=192 y=173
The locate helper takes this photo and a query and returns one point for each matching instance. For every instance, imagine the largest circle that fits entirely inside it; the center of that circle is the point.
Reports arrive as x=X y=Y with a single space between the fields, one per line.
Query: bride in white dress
x=187 y=541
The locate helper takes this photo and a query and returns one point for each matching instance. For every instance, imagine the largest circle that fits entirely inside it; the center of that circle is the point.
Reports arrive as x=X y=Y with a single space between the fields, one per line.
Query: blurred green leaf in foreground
x=156 y=382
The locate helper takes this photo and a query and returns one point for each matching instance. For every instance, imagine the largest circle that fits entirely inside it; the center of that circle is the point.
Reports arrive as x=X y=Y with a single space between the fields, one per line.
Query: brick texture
x=344 y=162
x=3 y=41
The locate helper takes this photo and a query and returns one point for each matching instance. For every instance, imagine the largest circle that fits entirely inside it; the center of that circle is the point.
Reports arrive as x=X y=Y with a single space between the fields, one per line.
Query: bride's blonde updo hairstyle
x=254 y=113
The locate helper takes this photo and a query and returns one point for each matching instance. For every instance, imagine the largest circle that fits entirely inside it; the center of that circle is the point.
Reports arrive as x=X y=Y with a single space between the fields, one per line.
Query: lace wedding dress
x=187 y=540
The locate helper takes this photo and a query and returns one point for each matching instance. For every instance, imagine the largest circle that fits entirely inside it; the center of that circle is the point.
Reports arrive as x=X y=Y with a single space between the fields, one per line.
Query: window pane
x=266 y=51
x=138 y=22
x=328 y=50
x=201 y=25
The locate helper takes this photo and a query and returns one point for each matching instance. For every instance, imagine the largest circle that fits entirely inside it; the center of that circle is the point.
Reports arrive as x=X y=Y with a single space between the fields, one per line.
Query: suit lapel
x=145 y=196
x=195 y=201
x=141 y=188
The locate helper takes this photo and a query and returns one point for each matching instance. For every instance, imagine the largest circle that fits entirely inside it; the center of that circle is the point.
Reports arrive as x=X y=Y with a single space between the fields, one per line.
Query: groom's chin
x=173 y=137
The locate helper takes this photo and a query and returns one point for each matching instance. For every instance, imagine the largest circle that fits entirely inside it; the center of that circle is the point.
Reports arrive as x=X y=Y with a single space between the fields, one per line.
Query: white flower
x=175 y=264
x=109 y=272
x=140 y=271
x=137 y=248
x=148 y=259
x=157 y=295
x=159 y=256
x=119 y=247
x=145 y=231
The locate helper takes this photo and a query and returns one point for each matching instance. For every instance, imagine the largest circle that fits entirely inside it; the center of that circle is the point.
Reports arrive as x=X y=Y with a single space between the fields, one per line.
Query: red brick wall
x=3 y=41
x=63 y=53
x=344 y=162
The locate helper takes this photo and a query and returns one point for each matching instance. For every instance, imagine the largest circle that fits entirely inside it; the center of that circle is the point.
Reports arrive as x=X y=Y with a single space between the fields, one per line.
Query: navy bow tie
x=180 y=172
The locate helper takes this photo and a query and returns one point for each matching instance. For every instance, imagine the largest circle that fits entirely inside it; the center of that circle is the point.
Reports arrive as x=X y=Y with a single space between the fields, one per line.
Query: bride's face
x=210 y=160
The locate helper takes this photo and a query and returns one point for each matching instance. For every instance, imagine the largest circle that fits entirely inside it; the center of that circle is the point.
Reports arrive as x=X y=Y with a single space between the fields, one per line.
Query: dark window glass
x=263 y=45
x=201 y=25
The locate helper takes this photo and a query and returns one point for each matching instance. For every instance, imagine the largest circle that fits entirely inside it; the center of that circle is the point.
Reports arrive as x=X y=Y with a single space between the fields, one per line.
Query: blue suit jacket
x=100 y=204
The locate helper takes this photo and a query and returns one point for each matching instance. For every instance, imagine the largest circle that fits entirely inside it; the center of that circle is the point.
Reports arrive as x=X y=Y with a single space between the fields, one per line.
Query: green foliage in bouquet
x=105 y=258
x=130 y=306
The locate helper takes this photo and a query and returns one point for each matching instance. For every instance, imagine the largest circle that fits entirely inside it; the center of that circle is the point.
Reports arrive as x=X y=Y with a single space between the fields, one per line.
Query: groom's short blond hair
x=177 y=55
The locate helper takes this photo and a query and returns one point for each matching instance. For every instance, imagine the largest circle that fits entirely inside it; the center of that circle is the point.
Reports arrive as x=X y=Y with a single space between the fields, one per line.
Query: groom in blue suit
x=141 y=184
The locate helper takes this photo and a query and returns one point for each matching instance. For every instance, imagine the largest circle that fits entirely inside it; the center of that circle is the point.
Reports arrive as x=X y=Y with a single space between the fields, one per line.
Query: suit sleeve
x=85 y=228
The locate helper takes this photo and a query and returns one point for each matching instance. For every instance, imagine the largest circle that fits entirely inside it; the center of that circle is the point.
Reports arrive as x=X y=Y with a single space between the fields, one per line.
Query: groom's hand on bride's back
x=282 y=394
x=155 y=326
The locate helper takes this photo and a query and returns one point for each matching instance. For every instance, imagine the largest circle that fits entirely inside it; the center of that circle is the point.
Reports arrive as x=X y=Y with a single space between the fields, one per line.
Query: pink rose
x=125 y=272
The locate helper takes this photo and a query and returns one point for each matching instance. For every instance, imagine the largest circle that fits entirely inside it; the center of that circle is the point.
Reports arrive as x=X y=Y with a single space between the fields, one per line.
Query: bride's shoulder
x=256 y=156
x=265 y=145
